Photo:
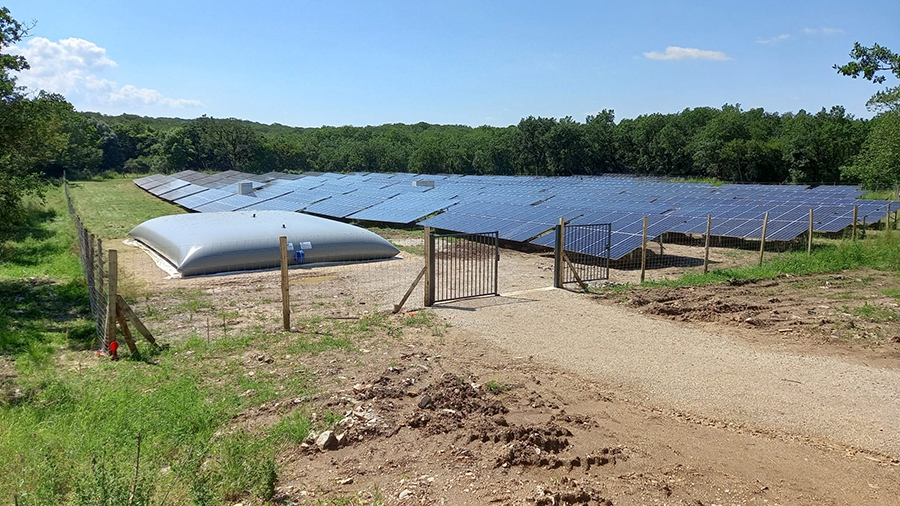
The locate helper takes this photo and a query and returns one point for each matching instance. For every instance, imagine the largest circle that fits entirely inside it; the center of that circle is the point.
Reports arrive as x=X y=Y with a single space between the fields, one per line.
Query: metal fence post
x=429 y=267
x=496 y=263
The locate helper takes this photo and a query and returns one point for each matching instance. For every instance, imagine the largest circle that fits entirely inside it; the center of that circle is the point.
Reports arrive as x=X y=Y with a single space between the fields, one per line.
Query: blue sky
x=306 y=63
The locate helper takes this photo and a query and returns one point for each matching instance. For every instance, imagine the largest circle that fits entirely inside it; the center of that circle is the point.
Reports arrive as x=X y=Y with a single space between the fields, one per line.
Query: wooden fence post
x=112 y=292
x=762 y=239
x=558 y=276
x=887 y=221
x=285 y=284
x=129 y=314
x=855 y=215
x=809 y=243
x=429 y=267
x=644 y=251
x=120 y=317
x=706 y=247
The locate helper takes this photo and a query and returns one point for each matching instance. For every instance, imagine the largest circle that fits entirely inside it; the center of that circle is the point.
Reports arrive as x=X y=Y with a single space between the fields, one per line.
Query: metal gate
x=460 y=266
x=582 y=253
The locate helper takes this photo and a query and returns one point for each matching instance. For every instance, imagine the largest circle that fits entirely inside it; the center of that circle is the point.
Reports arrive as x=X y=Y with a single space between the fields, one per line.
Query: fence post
x=497 y=263
x=762 y=239
x=112 y=272
x=558 y=278
x=809 y=243
x=887 y=221
x=285 y=284
x=644 y=251
x=706 y=247
x=855 y=215
x=429 y=267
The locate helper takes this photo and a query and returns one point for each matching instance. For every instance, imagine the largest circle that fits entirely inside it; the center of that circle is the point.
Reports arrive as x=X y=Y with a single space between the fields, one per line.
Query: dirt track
x=695 y=371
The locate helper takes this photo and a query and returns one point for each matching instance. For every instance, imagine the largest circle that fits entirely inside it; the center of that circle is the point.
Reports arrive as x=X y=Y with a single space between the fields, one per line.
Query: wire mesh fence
x=670 y=255
x=91 y=256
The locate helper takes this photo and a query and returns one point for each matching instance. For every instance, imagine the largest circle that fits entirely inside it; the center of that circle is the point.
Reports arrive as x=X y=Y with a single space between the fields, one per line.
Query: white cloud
x=72 y=67
x=774 y=40
x=146 y=96
x=823 y=31
x=686 y=53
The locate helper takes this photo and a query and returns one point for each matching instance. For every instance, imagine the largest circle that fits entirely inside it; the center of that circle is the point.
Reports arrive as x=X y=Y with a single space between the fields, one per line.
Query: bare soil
x=659 y=396
x=852 y=314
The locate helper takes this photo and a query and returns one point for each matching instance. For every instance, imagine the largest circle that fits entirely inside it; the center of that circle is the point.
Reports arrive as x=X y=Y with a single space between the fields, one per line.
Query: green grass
x=892 y=292
x=294 y=428
x=876 y=314
x=42 y=291
x=878 y=252
x=192 y=301
x=69 y=420
x=111 y=208
x=495 y=387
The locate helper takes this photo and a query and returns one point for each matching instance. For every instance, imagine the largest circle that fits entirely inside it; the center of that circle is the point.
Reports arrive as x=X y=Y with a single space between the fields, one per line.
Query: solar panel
x=143 y=182
x=173 y=184
x=184 y=191
x=198 y=199
x=403 y=208
x=232 y=202
x=341 y=206
x=526 y=208
x=157 y=182
x=190 y=176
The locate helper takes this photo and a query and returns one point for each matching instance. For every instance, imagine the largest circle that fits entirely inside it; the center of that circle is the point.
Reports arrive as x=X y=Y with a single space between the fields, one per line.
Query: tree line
x=725 y=143
x=41 y=135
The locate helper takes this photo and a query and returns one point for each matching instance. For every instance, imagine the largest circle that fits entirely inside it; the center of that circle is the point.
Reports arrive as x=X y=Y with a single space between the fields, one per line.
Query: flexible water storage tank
x=206 y=243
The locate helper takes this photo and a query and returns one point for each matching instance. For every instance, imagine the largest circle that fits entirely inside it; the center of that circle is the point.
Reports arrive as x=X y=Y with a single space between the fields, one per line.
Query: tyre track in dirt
x=673 y=366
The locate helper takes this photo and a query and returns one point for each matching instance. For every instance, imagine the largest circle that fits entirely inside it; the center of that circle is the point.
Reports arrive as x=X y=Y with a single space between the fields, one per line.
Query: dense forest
x=728 y=143
x=41 y=135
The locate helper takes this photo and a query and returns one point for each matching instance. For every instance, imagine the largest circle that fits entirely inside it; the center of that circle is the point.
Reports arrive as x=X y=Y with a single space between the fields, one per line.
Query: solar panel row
x=526 y=208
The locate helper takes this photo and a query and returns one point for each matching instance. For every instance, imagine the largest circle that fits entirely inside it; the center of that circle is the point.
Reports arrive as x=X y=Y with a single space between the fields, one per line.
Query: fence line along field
x=494 y=400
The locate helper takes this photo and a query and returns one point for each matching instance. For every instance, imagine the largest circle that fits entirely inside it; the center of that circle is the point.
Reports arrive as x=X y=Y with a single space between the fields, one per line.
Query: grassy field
x=112 y=207
x=71 y=421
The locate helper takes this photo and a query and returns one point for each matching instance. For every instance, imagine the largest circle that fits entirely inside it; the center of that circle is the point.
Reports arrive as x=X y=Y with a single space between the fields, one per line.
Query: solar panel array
x=526 y=208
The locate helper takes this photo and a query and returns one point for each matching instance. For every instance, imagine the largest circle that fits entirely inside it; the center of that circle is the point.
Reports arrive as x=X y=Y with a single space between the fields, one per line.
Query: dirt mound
x=568 y=491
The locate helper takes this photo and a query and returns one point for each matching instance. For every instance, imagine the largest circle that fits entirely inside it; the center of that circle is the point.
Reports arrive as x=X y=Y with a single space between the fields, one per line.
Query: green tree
x=869 y=62
x=20 y=140
x=533 y=133
x=599 y=136
x=567 y=151
x=877 y=166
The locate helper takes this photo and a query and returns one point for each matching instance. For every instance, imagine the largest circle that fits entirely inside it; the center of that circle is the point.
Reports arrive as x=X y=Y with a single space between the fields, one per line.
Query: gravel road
x=673 y=366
